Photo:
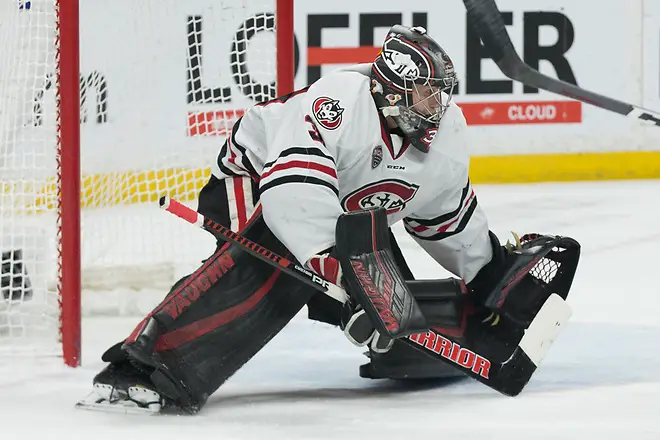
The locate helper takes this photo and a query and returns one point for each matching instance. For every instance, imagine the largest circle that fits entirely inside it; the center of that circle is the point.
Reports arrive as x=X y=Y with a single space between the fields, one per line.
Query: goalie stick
x=486 y=20
x=220 y=232
x=508 y=377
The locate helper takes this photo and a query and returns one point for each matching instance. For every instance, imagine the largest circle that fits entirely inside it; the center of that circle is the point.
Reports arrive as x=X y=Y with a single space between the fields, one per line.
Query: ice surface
x=601 y=379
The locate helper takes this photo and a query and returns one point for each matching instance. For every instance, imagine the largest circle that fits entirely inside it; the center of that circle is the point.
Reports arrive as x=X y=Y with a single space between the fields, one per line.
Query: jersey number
x=313 y=131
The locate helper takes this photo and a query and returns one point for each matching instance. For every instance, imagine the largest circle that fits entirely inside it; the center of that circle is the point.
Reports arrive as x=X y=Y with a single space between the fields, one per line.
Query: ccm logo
x=454 y=352
x=533 y=112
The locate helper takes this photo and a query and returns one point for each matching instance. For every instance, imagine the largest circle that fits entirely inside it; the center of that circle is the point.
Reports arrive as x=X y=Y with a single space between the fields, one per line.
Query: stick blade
x=511 y=376
x=545 y=328
x=516 y=372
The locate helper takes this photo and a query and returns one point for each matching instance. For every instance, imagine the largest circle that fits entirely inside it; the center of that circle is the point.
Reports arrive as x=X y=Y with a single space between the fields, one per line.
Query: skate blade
x=545 y=328
x=139 y=401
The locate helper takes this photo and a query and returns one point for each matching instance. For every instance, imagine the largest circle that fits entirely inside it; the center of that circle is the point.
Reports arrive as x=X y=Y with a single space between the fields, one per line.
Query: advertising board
x=163 y=85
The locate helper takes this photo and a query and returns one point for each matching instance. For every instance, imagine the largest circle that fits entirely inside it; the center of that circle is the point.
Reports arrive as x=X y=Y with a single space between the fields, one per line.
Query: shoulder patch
x=376 y=156
x=327 y=112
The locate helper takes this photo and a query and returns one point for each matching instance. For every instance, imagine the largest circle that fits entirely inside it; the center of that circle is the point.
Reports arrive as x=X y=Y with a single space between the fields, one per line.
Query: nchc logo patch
x=327 y=112
x=391 y=194
x=376 y=156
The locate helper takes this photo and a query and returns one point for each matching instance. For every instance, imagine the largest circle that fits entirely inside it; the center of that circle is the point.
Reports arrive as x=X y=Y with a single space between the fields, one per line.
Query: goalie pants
x=217 y=318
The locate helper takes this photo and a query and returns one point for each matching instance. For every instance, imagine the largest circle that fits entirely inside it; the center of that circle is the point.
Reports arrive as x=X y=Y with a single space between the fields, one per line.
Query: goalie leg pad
x=217 y=318
x=206 y=329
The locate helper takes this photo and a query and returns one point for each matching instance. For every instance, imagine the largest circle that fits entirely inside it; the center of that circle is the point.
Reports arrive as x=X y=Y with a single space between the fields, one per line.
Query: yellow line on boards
x=565 y=167
x=131 y=187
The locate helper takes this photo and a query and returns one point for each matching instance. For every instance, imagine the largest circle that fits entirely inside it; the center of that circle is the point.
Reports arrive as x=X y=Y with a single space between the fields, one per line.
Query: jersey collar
x=386 y=135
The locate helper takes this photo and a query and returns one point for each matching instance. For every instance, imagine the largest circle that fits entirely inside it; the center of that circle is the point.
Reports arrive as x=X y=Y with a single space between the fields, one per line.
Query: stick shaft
x=485 y=18
x=223 y=233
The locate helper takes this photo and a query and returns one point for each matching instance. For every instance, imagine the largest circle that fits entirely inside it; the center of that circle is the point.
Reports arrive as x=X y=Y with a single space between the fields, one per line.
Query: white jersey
x=326 y=149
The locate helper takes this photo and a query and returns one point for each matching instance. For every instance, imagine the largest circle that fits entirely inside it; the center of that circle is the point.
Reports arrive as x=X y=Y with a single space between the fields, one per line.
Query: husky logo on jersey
x=429 y=136
x=327 y=112
x=391 y=194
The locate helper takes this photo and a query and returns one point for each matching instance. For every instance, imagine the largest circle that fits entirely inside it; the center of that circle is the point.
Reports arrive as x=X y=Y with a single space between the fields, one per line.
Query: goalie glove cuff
x=326 y=266
x=355 y=323
x=489 y=275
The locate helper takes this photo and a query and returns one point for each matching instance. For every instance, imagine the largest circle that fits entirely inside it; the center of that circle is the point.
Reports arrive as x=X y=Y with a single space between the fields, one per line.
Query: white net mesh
x=161 y=83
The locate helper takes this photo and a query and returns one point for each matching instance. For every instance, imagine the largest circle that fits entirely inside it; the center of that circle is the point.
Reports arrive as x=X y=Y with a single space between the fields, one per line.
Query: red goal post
x=67 y=77
x=73 y=188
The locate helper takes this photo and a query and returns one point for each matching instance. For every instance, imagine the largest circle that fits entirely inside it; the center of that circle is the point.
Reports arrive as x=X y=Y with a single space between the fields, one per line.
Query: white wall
x=140 y=49
x=608 y=55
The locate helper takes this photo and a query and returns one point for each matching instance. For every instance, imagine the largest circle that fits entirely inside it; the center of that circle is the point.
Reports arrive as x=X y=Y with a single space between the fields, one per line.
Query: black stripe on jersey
x=245 y=161
x=445 y=217
x=223 y=153
x=309 y=151
x=297 y=179
x=461 y=226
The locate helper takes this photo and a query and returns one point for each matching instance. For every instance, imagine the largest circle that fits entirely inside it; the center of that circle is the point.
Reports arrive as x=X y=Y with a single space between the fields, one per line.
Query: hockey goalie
x=320 y=175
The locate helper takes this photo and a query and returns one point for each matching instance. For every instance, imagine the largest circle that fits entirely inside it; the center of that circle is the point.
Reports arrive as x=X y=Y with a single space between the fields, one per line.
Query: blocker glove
x=355 y=323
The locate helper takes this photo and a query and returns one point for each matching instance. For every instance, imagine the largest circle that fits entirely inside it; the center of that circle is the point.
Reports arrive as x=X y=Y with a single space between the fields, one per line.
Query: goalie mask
x=412 y=80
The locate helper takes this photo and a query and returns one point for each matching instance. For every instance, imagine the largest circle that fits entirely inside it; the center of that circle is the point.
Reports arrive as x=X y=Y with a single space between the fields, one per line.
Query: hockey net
x=161 y=82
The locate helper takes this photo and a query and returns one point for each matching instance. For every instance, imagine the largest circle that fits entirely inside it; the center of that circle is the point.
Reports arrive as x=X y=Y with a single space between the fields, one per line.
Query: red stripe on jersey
x=460 y=214
x=232 y=155
x=387 y=139
x=239 y=196
x=404 y=147
x=301 y=164
x=420 y=228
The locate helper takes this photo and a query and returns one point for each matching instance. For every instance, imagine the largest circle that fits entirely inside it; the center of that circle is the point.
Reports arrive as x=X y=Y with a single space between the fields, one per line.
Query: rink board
x=135 y=139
